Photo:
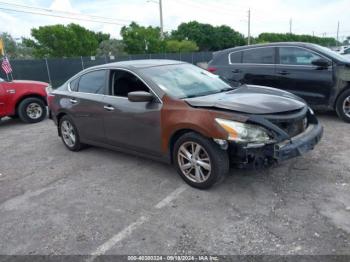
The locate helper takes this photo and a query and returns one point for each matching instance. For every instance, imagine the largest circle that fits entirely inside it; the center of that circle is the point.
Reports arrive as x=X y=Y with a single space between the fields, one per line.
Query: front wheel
x=32 y=110
x=343 y=106
x=200 y=161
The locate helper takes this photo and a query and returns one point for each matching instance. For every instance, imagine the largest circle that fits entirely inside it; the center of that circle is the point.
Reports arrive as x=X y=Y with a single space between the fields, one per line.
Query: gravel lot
x=97 y=201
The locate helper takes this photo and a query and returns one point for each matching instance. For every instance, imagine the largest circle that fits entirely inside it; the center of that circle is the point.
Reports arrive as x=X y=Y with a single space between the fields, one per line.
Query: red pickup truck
x=23 y=98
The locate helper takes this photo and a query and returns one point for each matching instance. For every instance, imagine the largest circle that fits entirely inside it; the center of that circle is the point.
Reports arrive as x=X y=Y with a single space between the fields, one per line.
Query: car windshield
x=186 y=81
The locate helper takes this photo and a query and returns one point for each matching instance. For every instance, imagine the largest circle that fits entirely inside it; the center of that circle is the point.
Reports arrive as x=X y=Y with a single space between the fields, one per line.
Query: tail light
x=49 y=95
x=212 y=69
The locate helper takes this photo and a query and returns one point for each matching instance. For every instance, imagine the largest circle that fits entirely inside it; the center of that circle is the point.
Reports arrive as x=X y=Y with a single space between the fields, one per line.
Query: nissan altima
x=184 y=115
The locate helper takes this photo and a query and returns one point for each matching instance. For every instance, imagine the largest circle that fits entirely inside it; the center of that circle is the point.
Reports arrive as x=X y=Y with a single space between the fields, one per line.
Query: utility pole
x=338 y=33
x=249 y=13
x=290 y=25
x=161 y=19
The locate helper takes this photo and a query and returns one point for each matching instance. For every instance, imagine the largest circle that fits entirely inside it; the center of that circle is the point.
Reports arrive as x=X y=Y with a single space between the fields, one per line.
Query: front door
x=296 y=74
x=2 y=101
x=132 y=125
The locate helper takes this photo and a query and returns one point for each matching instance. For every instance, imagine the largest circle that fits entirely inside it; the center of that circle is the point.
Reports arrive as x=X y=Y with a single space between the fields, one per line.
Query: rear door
x=296 y=73
x=254 y=66
x=85 y=103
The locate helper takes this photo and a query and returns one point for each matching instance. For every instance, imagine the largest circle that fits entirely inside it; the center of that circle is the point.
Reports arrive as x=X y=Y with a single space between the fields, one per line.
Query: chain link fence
x=58 y=70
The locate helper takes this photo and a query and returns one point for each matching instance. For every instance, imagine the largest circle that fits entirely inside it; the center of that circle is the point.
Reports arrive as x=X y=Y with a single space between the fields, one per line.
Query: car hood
x=251 y=99
x=29 y=82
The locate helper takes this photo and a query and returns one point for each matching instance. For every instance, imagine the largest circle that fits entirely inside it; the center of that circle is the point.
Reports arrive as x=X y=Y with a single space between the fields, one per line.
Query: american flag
x=5 y=65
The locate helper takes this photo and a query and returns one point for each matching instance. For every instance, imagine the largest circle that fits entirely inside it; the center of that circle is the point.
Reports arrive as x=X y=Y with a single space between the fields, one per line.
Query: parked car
x=317 y=74
x=24 y=99
x=181 y=114
x=346 y=53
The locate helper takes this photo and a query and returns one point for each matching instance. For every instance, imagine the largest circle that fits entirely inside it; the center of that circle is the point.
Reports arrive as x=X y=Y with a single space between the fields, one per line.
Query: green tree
x=15 y=49
x=275 y=37
x=10 y=44
x=173 y=46
x=207 y=36
x=111 y=47
x=141 y=40
x=64 y=41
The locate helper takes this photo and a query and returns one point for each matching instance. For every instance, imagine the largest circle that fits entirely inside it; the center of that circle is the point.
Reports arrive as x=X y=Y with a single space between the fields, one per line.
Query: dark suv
x=315 y=73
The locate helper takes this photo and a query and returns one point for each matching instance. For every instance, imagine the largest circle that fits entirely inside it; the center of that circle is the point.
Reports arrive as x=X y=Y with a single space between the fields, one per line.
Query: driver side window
x=296 y=56
x=123 y=82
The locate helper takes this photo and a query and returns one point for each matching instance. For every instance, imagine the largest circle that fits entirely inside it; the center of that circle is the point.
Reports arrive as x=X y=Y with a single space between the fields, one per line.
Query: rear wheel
x=200 y=161
x=343 y=106
x=32 y=110
x=69 y=134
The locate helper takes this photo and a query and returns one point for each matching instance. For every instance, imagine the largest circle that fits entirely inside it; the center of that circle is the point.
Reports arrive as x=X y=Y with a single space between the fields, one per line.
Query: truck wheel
x=69 y=134
x=200 y=161
x=32 y=110
x=343 y=106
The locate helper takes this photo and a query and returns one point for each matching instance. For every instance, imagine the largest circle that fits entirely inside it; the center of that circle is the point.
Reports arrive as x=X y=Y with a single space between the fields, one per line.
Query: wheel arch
x=346 y=88
x=59 y=117
x=175 y=136
x=19 y=101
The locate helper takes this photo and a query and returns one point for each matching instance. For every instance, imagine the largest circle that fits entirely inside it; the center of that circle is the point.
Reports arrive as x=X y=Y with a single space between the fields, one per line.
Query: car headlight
x=242 y=132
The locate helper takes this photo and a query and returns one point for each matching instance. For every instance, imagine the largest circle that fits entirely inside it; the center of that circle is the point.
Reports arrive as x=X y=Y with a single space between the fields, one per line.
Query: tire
x=343 y=106
x=66 y=125
x=32 y=110
x=209 y=154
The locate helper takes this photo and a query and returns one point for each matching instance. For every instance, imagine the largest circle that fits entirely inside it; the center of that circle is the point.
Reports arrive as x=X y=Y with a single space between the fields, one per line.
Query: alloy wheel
x=68 y=133
x=346 y=106
x=194 y=162
x=34 y=111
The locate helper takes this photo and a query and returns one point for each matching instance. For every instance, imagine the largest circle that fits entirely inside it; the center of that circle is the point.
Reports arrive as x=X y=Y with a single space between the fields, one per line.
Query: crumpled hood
x=252 y=100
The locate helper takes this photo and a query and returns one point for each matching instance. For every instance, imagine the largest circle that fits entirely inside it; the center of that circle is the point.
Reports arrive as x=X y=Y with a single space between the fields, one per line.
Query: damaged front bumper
x=299 y=144
x=266 y=154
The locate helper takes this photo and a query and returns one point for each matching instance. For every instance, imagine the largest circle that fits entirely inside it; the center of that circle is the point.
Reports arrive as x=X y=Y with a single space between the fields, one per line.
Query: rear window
x=236 y=58
x=93 y=82
x=264 y=55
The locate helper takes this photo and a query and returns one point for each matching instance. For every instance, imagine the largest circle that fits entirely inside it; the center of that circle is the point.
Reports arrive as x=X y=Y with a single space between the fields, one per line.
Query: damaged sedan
x=181 y=114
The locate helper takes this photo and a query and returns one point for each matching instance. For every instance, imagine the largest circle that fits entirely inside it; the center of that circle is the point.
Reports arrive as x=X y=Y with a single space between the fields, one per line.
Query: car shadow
x=7 y=121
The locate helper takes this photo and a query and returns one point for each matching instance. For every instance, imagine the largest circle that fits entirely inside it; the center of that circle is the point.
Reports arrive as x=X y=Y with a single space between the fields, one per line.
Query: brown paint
x=177 y=115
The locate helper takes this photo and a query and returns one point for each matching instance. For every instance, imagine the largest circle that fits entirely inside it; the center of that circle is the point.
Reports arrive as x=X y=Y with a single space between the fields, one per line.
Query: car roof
x=134 y=64
x=302 y=44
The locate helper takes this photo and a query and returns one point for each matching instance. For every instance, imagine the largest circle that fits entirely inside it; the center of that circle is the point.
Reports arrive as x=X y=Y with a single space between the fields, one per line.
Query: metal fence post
x=192 y=57
x=82 y=62
x=48 y=71
x=180 y=56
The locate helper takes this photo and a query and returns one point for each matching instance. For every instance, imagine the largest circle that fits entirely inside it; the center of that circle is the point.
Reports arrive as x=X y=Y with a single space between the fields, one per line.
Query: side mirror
x=321 y=62
x=140 y=96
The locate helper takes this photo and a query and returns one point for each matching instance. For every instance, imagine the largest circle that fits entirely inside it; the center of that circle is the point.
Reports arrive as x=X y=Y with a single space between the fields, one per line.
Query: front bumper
x=300 y=144
x=266 y=154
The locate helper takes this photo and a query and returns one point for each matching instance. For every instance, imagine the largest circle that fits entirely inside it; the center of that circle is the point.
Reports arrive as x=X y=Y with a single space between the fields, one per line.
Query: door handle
x=283 y=72
x=109 y=108
x=73 y=100
x=236 y=71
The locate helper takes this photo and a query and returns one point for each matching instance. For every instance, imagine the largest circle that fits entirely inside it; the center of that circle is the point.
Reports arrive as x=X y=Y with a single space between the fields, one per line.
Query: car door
x=132 y=125
x=85 y=104
x=296 y=74
x=254 y=66
x=2 y=100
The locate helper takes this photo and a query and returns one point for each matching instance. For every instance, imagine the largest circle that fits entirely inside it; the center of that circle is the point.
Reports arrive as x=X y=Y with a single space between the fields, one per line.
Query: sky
x=316 y=17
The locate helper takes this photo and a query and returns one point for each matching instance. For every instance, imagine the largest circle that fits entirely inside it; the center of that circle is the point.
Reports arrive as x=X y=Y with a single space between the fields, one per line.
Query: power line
x=61 y=16
x=63 y=12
